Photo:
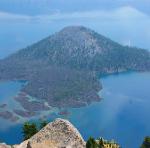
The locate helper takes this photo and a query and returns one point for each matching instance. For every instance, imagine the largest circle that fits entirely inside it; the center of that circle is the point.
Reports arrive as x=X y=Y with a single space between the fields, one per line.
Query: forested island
x=63 y=69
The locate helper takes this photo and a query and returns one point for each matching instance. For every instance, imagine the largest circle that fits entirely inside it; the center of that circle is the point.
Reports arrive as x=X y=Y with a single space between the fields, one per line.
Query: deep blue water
x=122 y=114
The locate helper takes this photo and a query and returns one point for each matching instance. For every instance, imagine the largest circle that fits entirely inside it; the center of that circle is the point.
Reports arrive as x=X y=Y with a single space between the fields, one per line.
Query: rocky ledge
x=57 y=134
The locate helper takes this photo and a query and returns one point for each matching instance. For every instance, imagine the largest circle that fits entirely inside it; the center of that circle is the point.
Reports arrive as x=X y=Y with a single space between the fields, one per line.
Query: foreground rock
x=58 y=134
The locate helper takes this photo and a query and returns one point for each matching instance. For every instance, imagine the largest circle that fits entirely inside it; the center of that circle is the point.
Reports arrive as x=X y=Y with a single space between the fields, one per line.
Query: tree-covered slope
x=62 y=68
x=82 y=48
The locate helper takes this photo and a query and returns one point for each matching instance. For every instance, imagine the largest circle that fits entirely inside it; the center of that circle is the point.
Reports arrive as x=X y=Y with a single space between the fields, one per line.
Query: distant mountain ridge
x=62 y=68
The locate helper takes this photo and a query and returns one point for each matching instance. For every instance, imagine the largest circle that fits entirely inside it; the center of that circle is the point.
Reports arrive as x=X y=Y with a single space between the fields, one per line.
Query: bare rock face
x=58 y=134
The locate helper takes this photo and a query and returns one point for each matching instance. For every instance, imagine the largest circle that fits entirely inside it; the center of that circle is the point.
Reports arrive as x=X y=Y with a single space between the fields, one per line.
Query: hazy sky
x=23 y=22
x=47 y=6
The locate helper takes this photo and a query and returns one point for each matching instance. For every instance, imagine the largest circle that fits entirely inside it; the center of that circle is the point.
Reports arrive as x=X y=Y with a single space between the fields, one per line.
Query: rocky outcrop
x=57 y=134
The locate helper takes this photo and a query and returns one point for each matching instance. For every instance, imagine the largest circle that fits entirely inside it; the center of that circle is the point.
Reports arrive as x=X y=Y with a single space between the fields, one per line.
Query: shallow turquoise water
x=122 y=114
x=8 y=91
x=9 y=132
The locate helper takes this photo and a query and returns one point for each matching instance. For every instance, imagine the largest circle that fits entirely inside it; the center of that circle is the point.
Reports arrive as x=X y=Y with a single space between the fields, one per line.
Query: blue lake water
x=8 y=90
x=122 y=114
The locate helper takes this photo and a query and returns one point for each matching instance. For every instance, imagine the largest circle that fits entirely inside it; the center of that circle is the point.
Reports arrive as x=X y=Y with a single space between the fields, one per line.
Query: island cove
x=18 y=105
x=123 y=97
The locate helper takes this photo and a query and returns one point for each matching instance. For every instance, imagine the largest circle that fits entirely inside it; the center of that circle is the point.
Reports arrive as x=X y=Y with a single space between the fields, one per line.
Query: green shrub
x=146 y=142
x=101 y=143
x=91 y=143
x=29 y=129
